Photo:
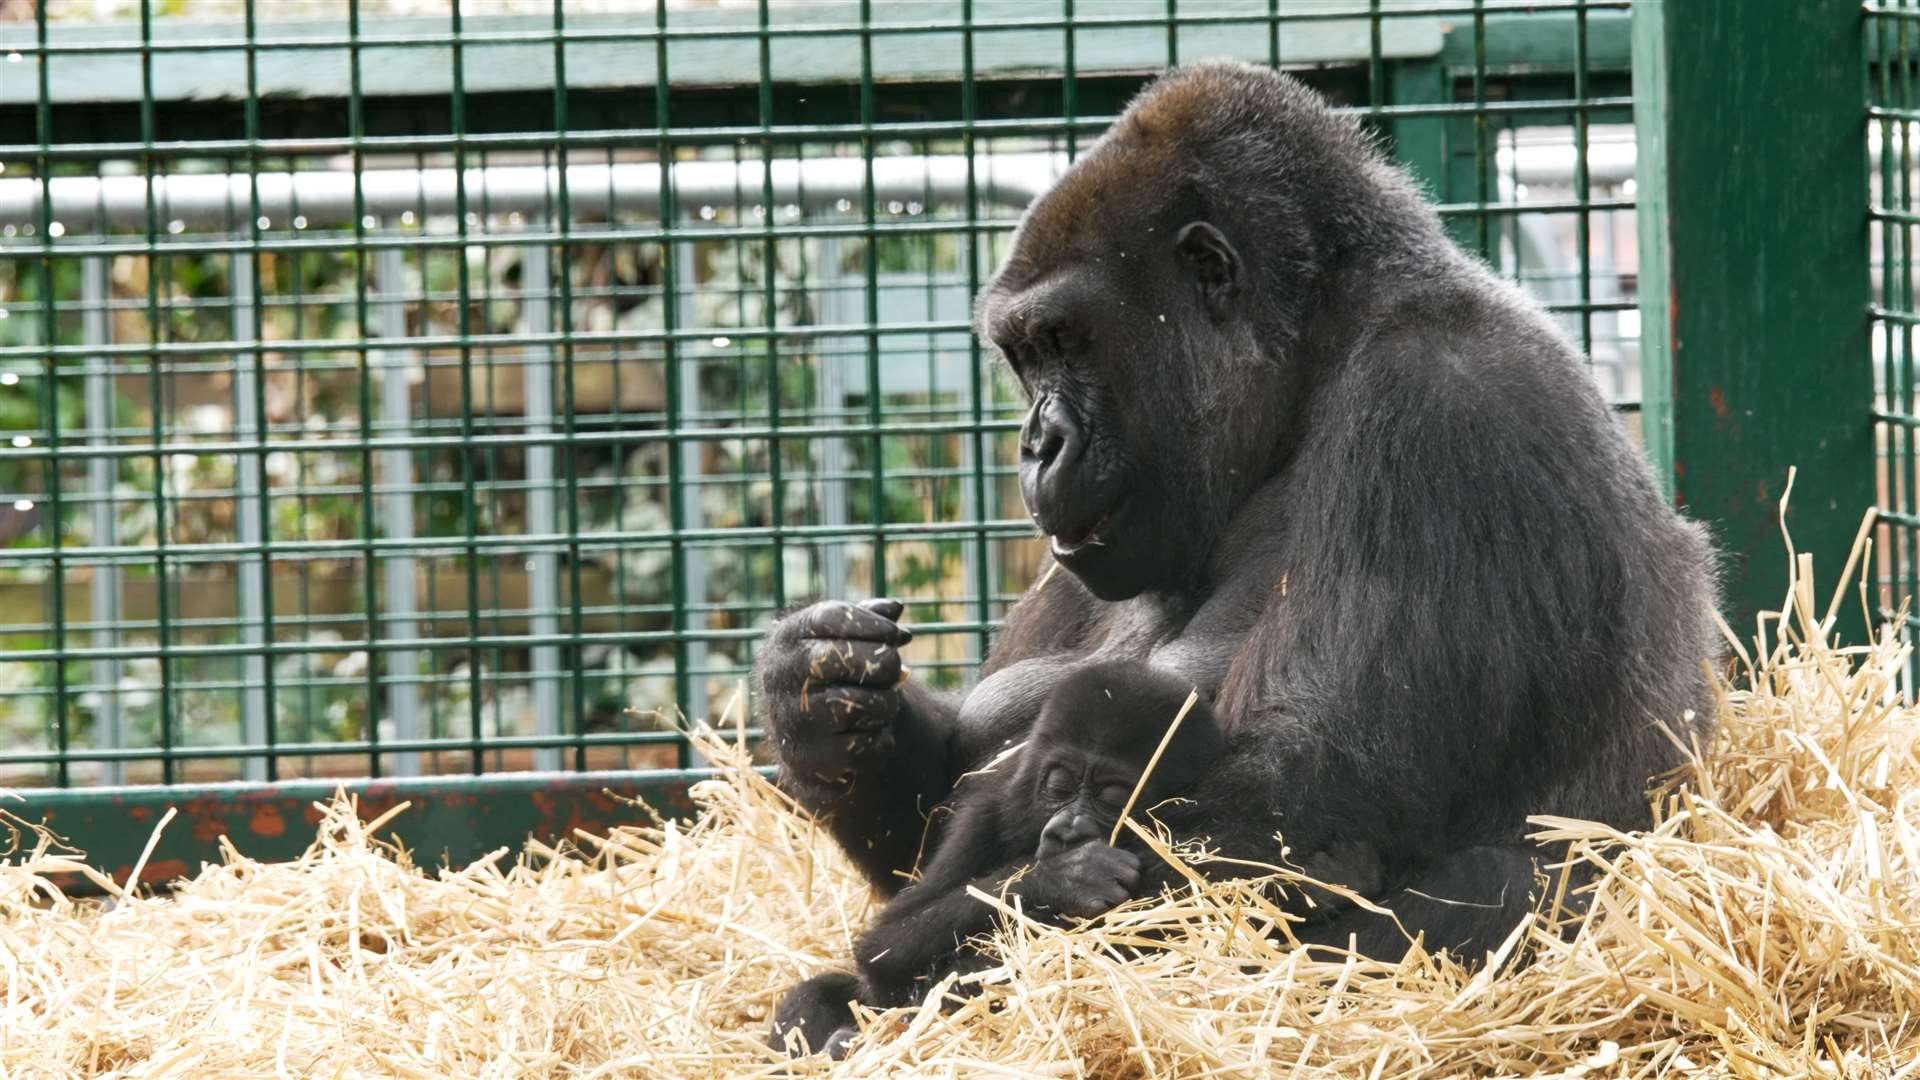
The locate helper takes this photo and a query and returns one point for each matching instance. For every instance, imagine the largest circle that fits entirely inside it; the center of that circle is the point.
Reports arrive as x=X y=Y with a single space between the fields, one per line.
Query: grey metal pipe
x=543 y=511
x=395 y=488
x=326 y=197
x=251 y=486
x=102 y=475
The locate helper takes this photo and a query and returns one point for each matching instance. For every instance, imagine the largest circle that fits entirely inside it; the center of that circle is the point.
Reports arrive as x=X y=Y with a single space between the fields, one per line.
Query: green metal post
x=1754 y=278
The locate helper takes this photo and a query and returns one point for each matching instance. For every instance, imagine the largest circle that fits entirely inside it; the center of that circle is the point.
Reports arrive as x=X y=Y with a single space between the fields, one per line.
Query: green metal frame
x=1891 y=45
x=725 y=391
x=448 y=821
x=1753 y=285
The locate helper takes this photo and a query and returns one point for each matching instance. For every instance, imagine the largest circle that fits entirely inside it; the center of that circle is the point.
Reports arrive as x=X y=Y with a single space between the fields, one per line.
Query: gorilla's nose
x=1049 y=433
x=1051 y=443
x=1068 y=830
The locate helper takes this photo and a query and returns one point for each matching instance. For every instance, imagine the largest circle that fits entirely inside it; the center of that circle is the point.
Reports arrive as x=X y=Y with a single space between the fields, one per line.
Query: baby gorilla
x=1033 y=828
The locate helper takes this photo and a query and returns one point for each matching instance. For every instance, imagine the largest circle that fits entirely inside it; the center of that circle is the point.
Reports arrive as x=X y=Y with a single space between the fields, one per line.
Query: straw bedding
x=1768 y=926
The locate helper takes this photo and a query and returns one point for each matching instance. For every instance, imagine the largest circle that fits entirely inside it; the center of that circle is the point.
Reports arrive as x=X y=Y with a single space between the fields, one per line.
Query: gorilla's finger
x=886 y=607
x=1114 y=865
x=838 y=707
x=1106 y=856
x=839 y=619
x=841 y=1041
x=847 y=660
x=1097 y=901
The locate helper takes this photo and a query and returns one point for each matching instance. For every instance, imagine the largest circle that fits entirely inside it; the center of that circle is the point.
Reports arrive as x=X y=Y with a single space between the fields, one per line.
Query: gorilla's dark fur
x=1033 y=828
x=1296 y=448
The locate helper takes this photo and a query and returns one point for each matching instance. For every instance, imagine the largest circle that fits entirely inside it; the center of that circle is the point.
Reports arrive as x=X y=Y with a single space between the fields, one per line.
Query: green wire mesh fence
x=395 y=395
x=1893 y=110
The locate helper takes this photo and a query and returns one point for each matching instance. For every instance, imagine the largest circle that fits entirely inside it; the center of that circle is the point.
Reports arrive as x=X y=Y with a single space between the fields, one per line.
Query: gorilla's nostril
x=1050 y=443
x=1048 y=432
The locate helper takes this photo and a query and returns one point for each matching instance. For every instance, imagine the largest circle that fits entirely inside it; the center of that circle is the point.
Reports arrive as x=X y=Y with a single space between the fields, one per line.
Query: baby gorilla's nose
x=1068 y=829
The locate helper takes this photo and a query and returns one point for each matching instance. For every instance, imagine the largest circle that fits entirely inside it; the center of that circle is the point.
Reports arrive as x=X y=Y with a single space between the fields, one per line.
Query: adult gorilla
x=1294 y=446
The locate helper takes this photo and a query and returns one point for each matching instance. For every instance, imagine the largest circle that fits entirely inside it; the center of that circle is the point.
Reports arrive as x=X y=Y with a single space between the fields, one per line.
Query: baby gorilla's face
x=1091 y=745
x=1082 y=795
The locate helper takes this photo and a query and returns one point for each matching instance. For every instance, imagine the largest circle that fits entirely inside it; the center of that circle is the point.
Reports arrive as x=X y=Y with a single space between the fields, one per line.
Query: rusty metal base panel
x=451 y=821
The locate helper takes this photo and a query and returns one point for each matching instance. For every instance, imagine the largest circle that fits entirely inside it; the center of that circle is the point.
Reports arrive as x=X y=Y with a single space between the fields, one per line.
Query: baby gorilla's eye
x=1058 y=786
x=1114 y=797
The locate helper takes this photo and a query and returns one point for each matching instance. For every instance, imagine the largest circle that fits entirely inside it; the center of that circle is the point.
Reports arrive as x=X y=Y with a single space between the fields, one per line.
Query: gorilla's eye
x=1019 y=360
x=1114 y=796
x=1058 y=785
x=1062 y=340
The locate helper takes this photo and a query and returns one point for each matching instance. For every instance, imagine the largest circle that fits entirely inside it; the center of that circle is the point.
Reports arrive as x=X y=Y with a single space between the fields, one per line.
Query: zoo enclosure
x=408 y=397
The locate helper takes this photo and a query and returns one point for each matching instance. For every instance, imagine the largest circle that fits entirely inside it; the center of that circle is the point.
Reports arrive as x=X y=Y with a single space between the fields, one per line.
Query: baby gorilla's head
x=1095 y=735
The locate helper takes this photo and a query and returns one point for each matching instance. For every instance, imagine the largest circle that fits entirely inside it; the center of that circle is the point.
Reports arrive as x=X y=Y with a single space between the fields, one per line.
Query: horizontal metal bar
x=733 y=536
x=454 y=743
x=581 y=340
x=608 y=139
x=452 y=681
x=498 y=440
x=1895 y=517
x=1545 y=206
x=328 y=197
x=452 y=820
x=627 y=138
x=638 y=484
x=153 y=244
x=336 y=611
x=471 y=39
x=818 y=42
x=345 y=296
x=484 y=342
x=1394 y=9
x=478 y=641
x=488 y=678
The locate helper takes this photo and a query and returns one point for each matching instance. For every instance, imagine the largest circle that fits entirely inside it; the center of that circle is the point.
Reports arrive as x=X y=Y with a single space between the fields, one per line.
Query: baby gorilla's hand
x=1080 y=882
x=1348 y=863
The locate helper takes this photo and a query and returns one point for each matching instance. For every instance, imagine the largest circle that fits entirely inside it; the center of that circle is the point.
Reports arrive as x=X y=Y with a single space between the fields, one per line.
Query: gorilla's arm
x=873 y=756
x=855 y=746
x=917 y=935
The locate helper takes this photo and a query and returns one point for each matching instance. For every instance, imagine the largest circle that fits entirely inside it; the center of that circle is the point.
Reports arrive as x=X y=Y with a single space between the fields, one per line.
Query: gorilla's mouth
x=1073 y=541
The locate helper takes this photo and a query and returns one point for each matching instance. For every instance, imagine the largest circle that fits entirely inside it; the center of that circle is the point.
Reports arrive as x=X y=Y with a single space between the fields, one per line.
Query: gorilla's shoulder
x=1466 y=335
x=1461 y=372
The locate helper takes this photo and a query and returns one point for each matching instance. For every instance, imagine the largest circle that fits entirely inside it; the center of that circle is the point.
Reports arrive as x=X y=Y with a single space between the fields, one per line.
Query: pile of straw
x=1768 y=926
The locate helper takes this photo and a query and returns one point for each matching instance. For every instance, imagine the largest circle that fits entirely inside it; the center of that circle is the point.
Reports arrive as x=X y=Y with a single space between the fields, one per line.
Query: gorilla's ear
x=1214 y=264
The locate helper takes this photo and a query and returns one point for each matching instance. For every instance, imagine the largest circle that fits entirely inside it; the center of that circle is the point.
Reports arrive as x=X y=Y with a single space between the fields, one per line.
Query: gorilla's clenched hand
x=830 y=680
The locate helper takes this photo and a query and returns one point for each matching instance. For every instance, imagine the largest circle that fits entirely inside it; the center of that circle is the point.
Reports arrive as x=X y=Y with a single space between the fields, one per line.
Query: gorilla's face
x=1081 y=470
x=1149 y=412
x=1085 y=461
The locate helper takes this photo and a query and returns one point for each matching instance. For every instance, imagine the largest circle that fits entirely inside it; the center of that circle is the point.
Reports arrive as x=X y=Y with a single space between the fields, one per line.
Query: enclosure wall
x=397 y=396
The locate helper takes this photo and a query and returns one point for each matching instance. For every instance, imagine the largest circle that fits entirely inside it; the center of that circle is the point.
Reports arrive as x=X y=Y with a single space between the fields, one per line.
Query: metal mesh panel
x=1893 y=108
x=464 y=392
